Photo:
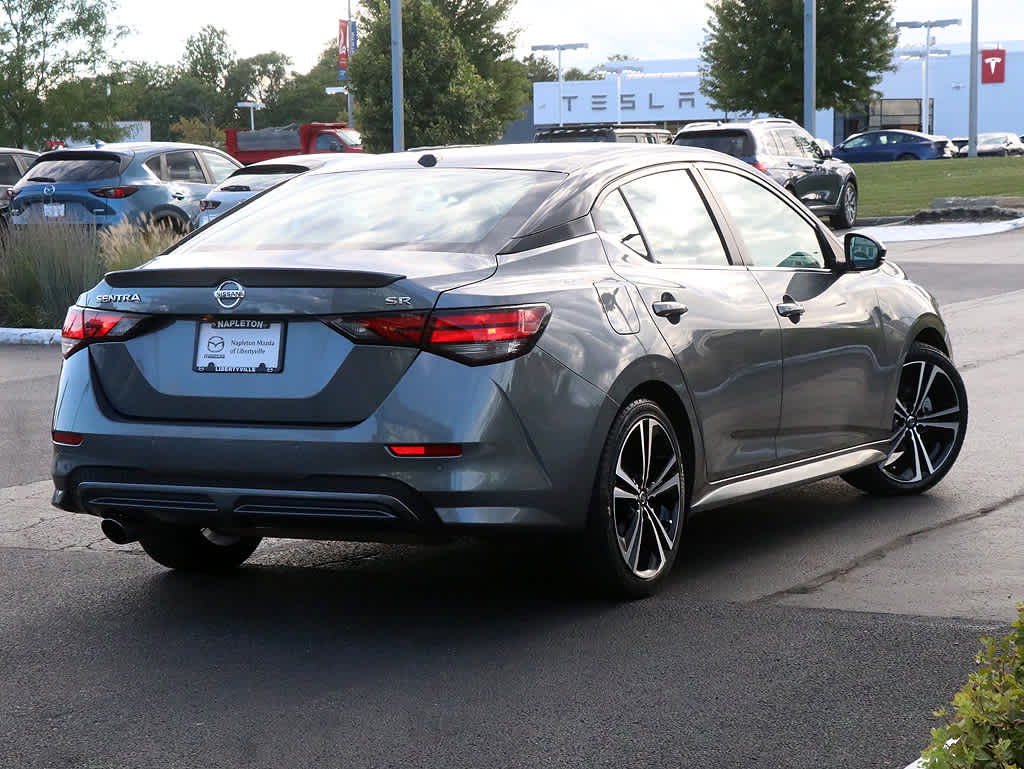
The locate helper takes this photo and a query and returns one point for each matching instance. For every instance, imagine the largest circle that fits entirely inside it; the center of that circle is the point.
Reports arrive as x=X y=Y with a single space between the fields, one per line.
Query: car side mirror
x=862 y=252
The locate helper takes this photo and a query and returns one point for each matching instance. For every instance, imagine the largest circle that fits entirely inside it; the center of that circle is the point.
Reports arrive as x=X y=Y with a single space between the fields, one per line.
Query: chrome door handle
x=792 y=310
x=669 y=309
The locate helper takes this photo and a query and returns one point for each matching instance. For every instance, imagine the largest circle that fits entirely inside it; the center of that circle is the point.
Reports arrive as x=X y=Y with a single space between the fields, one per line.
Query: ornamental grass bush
x=44 y=267
x=985 y=729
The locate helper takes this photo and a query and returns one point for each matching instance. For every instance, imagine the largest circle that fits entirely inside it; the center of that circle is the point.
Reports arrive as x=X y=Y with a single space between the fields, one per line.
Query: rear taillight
x=761 y=167
x=208 y=205
x=82 y=326
x=115 y=193
x=475 y=337
x=426 y=450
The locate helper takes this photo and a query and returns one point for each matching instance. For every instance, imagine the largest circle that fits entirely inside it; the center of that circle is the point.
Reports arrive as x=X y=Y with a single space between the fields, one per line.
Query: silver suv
x=788 y=154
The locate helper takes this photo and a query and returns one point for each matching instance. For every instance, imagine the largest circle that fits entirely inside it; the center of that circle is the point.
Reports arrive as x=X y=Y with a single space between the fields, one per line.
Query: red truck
x=309 y=138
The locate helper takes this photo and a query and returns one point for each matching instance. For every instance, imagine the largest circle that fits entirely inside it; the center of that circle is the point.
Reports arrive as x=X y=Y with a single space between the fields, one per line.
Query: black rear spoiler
x=211 y=277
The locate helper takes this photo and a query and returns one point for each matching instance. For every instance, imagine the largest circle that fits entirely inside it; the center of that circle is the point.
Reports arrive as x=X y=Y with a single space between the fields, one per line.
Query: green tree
x=209 y=56
x=753 y=54
x=446 y=99
x=302 y=99
x=575 y=73
x=540 y=69
x=44 y=43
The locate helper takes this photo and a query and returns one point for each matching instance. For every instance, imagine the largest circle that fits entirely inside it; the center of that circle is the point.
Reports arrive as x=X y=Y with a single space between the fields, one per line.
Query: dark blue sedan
x=876 y=146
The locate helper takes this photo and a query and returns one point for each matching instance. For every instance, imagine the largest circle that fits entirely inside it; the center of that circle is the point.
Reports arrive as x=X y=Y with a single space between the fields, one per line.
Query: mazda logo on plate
x=215 y=344
x=49 y=189
x=229 y=294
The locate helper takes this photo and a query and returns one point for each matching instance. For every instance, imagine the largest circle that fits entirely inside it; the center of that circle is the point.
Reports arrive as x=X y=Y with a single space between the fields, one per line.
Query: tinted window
x=155 y=164
x=184 y=167
x=859 y=142
x=674 y=220
x=350 y=137
x=736 y=143
x=75 y=170
x=775 y=235
x=424 y=209
x=627 y=138
x=9 y=171
x=220 y=167
x=791 y=145
x=613 y=217
x=328 y=143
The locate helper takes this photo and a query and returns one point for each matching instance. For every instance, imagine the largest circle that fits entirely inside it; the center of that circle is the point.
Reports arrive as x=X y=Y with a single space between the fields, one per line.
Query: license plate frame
x=53 y=210
x=257 y=345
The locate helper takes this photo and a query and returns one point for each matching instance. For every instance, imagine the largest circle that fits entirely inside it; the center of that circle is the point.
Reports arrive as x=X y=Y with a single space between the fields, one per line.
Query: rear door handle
x=669 y=309
x=178 y=195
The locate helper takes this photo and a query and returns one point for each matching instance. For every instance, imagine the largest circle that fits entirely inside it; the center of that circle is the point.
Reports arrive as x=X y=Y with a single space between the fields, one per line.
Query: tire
x=194 y=549
x=636 y=519
x=929 y=425
x=908 y=156
x=846 y=214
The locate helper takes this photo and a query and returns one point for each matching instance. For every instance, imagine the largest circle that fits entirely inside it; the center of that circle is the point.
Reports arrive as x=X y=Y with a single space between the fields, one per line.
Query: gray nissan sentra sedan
x=588 y=340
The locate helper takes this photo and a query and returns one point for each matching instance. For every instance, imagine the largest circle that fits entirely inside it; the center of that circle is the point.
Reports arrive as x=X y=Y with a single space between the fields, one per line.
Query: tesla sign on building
x=993 y=66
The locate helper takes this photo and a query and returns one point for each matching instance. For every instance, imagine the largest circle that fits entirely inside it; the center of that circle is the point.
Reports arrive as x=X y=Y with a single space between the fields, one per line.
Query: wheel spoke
x=660 y=532
x=624 y=477
x=656 y=531
x=646 y=447
x=669 y=466
x=924 y=453
x=896 y=453
x=922 y=394
x=632 y=550
x=917 y=460
x=901 y=410
x=944 y=413
x=664 y=486
x=620 y=493
x=954 y=426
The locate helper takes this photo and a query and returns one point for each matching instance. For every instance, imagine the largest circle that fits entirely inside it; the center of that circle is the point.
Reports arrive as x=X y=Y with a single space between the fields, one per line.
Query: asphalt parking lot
x=812 y=628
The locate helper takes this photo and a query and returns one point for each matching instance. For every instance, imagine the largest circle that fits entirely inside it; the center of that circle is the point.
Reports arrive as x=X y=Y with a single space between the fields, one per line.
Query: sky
x=651 y=29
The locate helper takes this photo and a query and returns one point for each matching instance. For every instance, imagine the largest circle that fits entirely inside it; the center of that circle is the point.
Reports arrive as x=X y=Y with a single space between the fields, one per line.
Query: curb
x=29 y=336
x=874 y=221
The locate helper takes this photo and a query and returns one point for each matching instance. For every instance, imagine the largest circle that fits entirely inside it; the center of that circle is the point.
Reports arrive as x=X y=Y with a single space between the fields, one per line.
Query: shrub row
x=44 y=267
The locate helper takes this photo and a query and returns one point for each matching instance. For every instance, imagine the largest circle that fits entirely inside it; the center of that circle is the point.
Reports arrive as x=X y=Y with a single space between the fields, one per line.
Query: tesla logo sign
x=993 y=66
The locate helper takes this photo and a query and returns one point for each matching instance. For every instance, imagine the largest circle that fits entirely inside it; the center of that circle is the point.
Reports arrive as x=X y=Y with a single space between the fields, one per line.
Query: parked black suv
x=789 y=155
x=627 y=134
x=13 y=164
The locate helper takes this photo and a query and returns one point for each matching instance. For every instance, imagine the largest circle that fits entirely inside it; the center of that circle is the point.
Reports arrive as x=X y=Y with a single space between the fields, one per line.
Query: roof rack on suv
x=702 y=124
x=770 y=120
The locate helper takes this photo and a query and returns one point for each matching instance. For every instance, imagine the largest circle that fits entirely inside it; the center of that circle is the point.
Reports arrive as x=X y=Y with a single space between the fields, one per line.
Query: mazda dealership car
x=580 y=340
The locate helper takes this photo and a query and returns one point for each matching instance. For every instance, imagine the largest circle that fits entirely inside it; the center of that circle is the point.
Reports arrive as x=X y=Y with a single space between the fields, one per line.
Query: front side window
x=9 y=171
x=326 y=142
x=220 y=167
x=675 y=221
x=774 y=234
x=859 y=142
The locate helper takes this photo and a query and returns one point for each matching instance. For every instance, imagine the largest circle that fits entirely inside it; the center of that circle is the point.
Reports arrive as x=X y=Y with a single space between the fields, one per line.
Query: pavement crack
x=878 y=553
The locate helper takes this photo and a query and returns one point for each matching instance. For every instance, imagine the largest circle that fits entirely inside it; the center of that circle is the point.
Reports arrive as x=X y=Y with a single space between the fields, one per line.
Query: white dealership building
x=667 y=92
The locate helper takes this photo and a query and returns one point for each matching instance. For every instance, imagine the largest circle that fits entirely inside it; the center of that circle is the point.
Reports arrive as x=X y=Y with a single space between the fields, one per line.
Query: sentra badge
x=229 y=294
x=111 y=298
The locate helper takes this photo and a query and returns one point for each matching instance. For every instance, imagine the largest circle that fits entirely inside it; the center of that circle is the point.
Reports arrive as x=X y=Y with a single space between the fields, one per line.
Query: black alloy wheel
x=636 y=522
x=929 y=424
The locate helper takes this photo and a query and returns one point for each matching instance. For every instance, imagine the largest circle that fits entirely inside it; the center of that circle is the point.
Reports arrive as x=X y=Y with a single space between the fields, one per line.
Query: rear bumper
x=519 y=468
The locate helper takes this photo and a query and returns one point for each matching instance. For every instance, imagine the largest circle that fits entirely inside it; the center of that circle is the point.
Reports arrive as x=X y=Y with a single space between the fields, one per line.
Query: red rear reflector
x=761 y=167
x=66 y=438
x=427 y=450
x=114 y=192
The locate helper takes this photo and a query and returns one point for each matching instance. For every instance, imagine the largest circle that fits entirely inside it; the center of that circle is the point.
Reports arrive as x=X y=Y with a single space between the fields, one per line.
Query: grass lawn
x=908 y=186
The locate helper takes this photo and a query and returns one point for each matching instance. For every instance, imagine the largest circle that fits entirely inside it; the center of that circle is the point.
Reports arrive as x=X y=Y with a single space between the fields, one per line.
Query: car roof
x=131 y=149
x=587 y=167
x=19 y=150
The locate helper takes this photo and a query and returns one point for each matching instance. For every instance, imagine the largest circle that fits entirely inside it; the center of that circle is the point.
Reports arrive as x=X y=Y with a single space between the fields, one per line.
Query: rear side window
x=736 y=143
x=184 y=167
x=458 y=209
x=75 y=170
x=675 y=221
x=9 y=171
x=613 y=218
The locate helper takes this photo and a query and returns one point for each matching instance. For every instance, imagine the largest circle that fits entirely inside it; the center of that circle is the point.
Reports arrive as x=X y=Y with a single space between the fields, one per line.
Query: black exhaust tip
x=117 y=532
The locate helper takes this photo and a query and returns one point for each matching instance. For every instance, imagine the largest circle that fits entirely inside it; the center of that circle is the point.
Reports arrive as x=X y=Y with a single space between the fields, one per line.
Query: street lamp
x=928 y=26
x=619 y=70
x=253 y=106
x=559 y=47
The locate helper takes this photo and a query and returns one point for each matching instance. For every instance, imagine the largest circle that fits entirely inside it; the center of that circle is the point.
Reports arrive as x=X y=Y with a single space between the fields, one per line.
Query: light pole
x=612 y=68
x=559 y=47
x=928 y=26
x=253 y=106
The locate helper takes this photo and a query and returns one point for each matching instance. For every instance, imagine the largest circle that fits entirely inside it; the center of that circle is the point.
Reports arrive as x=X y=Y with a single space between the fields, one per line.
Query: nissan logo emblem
x=229 y=294
x=49 y=189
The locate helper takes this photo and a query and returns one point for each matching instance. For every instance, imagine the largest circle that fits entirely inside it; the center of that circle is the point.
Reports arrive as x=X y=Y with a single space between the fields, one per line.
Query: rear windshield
x=350 y=137
x=253 y=180
x=74 y=170
x=739 y=144
x=590 y=136
x=428 y=209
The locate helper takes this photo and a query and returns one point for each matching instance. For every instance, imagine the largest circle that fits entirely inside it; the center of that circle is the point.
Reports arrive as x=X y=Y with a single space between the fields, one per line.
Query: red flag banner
x=343 y=44
x=993 y=66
